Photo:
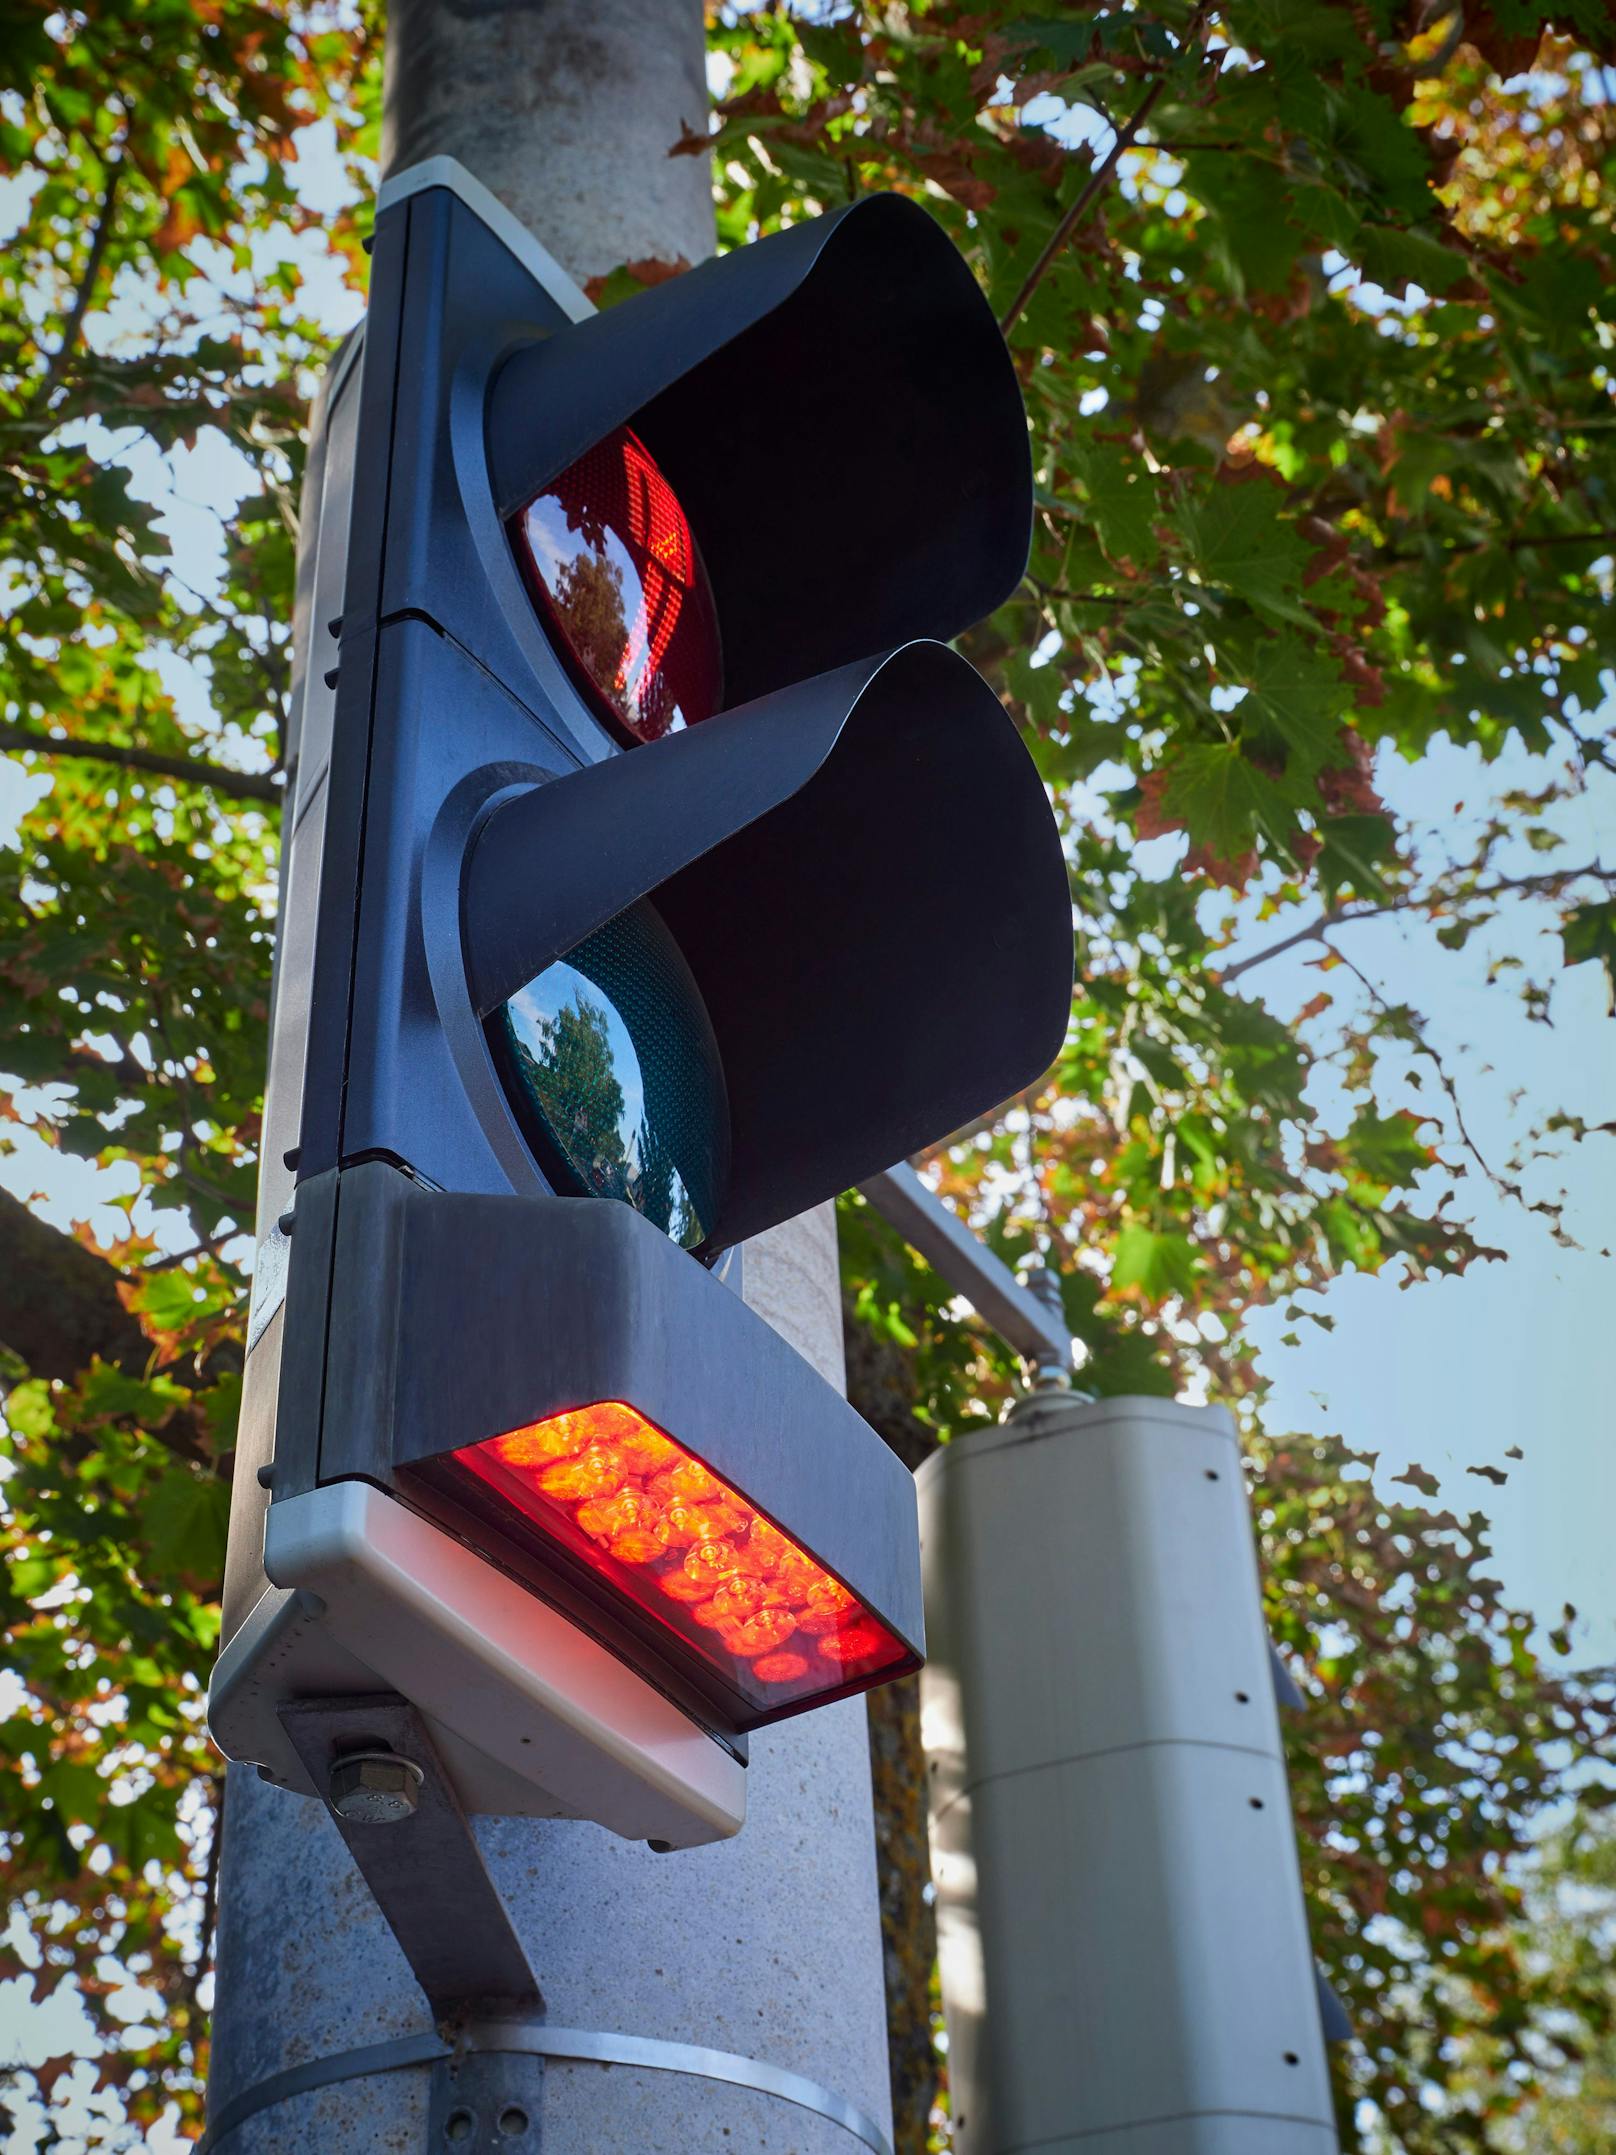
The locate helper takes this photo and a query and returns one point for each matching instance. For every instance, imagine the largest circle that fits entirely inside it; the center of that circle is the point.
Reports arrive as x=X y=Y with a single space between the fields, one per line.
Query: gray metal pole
x=766 y=1949
x=1125 y=1959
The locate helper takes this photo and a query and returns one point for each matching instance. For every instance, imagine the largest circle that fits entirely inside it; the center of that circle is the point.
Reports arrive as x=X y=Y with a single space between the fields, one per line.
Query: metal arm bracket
x=429 y=1880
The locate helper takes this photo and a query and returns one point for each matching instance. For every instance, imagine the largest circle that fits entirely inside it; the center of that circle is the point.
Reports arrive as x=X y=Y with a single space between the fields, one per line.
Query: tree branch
x=1342 y=916
x=1521 y=539
x=1078 y=598
x=59 y=1306
x=60 y=1309
x=1516 y=542
x=56 y=366
x=244 y=785
x=1410 y=1018
x=1095 y=181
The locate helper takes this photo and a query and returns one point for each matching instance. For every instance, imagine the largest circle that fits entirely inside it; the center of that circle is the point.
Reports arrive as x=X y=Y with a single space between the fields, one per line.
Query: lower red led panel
x=692 y=1552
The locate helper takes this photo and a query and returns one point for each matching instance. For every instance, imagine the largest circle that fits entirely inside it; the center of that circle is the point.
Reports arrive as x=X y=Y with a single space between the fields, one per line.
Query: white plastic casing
x=1126 y=1965
x=530 y=1715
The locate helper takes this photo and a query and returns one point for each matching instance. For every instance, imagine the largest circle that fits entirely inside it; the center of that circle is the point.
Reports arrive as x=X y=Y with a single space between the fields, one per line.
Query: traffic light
x=624 y=864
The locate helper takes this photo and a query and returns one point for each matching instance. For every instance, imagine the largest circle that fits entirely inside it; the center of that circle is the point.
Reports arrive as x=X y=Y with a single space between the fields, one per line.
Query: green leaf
x=1388 y=1149
x=184 y=1516
x=1157 y=1265
x=1396 y=256
x=1222 y=799
x=1254 y=234
x=106 y=1393
x=1588 y=932
x=1295 y=702
x=1241 y=540
x=1121 y=500
x=76 y=1792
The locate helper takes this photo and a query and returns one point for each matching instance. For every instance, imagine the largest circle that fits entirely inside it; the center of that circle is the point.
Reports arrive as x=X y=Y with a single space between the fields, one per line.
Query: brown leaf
x=179 y=227
x=647 y=271
x=1419 y=1478
x=1332 y=544
x=1348 y=789
x=1232 y=874
x=1506 y=52
x=1150 y=820
x=52 y=2070
x=1366 y=679
x=956 y=178
x=1293 y=302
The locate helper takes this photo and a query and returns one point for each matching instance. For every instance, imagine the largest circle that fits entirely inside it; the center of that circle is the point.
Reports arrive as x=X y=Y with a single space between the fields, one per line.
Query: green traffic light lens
x=610 y=1061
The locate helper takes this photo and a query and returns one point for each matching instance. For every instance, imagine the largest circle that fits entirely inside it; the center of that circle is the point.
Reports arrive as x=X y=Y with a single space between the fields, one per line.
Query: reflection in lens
x=614 y=1071
x=614 y=563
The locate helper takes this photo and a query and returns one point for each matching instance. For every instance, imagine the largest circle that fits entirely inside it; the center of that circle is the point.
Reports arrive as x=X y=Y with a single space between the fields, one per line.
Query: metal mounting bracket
x=486 y=2102
x=427 y=1875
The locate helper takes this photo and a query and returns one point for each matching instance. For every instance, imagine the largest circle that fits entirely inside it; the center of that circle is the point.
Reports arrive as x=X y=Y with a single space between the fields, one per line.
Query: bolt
x=374 y=1788
x=1050 y=1369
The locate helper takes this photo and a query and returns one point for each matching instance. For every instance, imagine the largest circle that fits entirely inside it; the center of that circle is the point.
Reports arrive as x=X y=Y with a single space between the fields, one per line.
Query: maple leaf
x=1240 y=540
x=1221 y=797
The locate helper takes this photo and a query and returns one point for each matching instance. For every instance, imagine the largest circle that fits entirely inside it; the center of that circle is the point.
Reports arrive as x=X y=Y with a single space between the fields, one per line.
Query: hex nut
x=374 y=1788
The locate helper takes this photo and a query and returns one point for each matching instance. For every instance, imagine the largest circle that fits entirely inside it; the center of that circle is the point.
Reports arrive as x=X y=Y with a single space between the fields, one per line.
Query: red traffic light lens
x=611 y=558
x=682 y=1545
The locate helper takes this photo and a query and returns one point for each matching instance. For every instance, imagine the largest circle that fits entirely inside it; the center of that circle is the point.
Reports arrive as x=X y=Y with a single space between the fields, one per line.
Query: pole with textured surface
x=767 y=1947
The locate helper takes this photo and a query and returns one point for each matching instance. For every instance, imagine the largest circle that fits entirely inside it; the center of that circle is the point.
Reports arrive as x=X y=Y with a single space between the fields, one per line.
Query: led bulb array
x=689 y=1549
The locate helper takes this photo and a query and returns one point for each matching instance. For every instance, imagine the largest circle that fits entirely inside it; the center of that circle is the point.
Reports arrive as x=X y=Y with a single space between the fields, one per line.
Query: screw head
x=374 y=1788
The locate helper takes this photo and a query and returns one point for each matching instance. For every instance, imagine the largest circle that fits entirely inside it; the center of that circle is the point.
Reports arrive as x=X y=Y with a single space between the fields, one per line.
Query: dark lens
x=610 y=1059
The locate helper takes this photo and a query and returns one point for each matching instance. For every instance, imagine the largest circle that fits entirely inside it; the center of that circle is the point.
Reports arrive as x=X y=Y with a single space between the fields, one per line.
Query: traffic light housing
x=628 y=873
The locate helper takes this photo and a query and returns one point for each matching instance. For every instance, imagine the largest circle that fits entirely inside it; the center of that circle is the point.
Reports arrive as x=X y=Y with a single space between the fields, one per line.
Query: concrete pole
x=567 y=109
x=768 y=1946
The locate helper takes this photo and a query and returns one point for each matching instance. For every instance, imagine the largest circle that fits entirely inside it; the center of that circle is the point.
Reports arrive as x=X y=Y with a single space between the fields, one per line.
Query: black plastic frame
x=854 y=349
x=803 y=956
x=869 y=328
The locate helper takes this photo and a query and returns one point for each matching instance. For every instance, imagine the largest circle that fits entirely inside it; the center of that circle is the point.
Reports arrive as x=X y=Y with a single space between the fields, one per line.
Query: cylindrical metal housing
x=1125 y=1958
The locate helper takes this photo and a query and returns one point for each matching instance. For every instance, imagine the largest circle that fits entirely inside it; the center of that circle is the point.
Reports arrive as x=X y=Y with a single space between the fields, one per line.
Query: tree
x=1569 y=2107
x=148 y=148
x=1311 y=306
x=571 y=1079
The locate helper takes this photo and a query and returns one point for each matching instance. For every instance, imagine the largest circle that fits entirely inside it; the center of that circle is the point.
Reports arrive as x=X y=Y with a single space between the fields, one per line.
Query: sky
x=1450 y=1374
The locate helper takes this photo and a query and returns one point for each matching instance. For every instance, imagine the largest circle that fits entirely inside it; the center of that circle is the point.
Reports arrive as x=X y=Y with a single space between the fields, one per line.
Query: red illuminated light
x=689 y=1550
x=613 y=562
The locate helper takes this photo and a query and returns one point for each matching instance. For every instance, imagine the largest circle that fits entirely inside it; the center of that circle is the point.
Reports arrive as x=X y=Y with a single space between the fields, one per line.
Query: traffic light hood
x=804 y=853
x=836 y=411
x=587 y=1311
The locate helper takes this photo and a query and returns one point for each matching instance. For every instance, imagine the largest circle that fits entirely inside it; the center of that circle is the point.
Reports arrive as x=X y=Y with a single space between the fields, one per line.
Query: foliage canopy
x=1312 y=307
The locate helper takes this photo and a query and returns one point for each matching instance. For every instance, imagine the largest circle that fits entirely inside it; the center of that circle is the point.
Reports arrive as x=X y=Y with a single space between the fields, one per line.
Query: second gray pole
x=767 y=1947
